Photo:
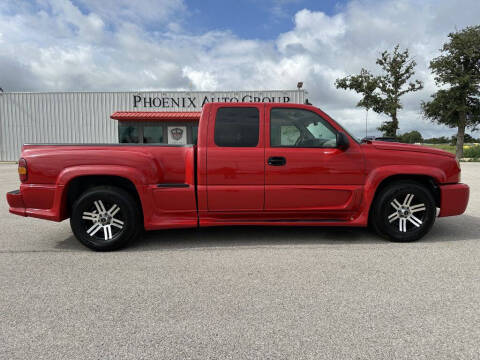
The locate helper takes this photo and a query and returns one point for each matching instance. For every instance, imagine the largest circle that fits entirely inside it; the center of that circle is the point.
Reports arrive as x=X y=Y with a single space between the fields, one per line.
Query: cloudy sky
x=50 y=45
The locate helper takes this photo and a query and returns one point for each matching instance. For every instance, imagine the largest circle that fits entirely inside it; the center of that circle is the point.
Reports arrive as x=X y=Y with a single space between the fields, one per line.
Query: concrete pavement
x=241 y=293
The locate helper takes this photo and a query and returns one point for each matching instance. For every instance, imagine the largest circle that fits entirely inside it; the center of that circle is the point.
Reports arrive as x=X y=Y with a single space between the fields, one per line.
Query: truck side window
x=300 y=128
x=237 y=127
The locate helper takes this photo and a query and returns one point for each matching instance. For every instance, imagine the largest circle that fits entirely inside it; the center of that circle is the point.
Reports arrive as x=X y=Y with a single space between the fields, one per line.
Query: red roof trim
x=155 y=116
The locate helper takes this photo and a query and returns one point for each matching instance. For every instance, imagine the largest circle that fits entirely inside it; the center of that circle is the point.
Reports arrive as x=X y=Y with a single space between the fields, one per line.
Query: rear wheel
x=105 y=218
x=404 y=211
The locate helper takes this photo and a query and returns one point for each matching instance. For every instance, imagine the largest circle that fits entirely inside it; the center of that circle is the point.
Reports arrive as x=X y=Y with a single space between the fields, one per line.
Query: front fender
x=376 y=176
x=380 y=174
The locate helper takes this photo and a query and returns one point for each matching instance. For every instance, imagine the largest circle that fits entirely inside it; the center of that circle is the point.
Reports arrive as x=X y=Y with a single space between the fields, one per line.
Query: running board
x=276 y=222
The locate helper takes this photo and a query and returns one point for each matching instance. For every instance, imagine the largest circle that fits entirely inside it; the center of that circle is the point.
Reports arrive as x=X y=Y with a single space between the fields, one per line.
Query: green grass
x=471 y=151
x=446 y=147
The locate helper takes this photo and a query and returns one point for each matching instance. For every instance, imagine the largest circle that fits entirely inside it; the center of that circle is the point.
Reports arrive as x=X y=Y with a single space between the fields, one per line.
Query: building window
x=165 y=132
x=153 y=134
x=237 y=127
x=194 y=134
x=128 y=133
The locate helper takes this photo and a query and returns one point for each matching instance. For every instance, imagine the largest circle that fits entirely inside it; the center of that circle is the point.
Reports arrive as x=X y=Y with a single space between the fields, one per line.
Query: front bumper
x=15 y=201
x=453 y=199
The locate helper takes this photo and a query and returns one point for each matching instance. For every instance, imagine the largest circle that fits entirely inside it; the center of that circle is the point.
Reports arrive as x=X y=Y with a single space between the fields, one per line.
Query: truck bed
x=158 y=172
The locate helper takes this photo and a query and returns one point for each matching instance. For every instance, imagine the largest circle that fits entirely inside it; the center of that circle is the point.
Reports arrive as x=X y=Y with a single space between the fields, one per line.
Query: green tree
x=458 y=68
x=382 y=93
x=411 y=137
x=363 y=83
x=466 y=139
x=439 y=140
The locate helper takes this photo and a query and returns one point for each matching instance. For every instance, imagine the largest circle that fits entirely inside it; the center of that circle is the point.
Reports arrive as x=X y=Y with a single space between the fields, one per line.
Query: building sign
x=177 y=135
x=197 y=102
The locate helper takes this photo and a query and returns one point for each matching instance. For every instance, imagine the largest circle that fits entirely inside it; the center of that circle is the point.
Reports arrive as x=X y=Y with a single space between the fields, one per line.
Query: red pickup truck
x=254 y=164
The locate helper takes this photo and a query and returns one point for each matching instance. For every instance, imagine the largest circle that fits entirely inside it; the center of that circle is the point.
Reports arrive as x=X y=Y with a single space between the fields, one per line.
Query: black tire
x=94 y=225
x=401 y=217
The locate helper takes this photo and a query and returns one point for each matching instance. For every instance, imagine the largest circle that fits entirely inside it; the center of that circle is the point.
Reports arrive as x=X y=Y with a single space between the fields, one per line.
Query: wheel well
x=79 y=185
x=424 y=180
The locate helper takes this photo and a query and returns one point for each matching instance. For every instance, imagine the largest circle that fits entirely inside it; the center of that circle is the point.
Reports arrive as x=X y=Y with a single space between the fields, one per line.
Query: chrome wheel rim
x=407 y=215
x=103 y=221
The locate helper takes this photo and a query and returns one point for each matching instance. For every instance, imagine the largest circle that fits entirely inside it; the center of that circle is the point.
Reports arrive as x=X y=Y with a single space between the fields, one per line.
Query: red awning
x=155 y=116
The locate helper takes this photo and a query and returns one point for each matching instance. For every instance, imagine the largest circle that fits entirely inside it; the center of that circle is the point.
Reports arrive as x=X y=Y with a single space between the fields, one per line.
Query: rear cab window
x=237 y=127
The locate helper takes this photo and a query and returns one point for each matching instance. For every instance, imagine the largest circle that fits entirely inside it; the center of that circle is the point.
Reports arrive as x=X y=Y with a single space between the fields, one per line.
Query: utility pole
x=366 y=124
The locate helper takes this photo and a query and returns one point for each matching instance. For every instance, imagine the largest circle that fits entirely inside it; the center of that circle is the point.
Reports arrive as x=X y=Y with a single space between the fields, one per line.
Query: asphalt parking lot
x=239 y=293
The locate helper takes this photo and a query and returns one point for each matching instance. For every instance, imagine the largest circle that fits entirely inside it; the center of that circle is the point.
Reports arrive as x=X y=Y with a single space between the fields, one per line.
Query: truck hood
x=383 y=145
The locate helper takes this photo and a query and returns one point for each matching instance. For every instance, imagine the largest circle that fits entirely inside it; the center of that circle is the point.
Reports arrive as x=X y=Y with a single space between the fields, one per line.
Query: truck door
x=306 y=175
x=235 y=158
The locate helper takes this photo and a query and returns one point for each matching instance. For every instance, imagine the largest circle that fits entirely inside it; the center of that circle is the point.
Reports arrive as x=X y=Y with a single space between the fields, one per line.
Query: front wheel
x=403 y=211
x=105 y=218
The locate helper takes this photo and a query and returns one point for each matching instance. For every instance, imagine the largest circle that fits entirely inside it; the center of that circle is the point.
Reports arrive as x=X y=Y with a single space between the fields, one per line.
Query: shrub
x=472 y=151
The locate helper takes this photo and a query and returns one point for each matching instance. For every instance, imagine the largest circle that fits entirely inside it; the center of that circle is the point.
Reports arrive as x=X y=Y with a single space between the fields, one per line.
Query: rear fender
x=139 y=180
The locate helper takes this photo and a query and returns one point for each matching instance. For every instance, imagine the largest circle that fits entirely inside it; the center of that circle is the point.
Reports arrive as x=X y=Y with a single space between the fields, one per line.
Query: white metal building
x=84 y=117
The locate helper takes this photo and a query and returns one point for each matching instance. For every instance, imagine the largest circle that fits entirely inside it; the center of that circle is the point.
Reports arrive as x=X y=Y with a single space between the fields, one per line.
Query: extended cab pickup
x=254 y=164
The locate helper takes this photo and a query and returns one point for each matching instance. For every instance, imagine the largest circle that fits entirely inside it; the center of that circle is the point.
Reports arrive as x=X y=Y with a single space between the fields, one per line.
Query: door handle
x=277 y=161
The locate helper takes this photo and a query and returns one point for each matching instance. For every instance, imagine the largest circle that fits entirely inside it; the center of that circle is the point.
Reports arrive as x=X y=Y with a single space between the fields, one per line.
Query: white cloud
x=200 y=79
x=123 y=45
x=144 y=11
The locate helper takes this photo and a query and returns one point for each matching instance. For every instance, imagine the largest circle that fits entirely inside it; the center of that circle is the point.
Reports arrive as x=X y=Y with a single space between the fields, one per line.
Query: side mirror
x=342 y=141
